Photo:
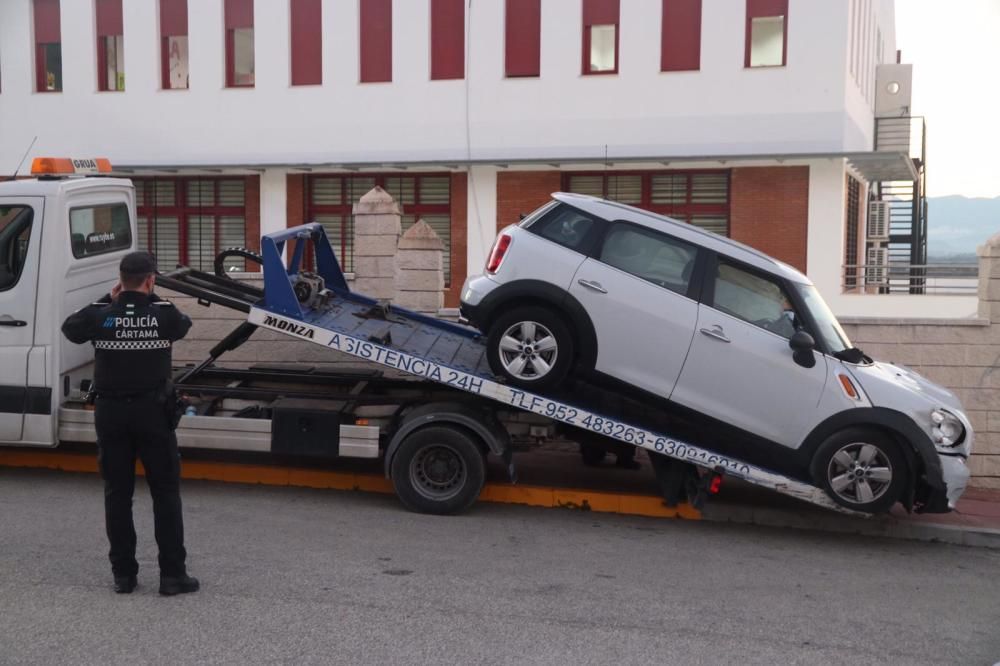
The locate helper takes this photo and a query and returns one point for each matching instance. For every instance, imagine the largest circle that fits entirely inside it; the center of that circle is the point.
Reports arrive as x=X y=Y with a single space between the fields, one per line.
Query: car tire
x=439 y=470
x=512 y=354
x=861 y=469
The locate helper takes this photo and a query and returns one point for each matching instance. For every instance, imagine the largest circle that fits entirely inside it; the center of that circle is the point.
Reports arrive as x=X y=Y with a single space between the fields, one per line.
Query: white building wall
x=722 y=109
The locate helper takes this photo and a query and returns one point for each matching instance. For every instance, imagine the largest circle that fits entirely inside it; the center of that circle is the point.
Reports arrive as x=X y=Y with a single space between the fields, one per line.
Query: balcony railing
x=906 y=134
x=894 y=278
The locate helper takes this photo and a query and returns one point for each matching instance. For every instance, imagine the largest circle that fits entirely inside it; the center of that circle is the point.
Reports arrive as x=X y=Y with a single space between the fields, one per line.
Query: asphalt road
x=300 y=576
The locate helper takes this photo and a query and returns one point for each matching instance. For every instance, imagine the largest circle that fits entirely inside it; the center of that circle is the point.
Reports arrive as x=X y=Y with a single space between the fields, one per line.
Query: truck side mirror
x=802 y=345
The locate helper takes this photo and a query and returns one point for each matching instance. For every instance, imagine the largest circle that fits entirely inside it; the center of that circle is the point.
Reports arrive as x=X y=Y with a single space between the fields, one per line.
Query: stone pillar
x=376 y=232
x=420 y=279
x=989 y=279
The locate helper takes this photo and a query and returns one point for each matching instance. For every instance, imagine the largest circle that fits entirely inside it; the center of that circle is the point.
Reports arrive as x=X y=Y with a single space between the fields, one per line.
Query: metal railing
x=906 y=134
x=895 y=278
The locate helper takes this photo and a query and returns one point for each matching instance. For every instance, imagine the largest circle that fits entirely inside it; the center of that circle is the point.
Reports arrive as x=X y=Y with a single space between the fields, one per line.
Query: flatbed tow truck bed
x=319 y=308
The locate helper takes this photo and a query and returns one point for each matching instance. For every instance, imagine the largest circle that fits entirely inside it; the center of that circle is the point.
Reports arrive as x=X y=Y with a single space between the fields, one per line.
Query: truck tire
x=861 y=469
x=439 y=470
x=531 y=347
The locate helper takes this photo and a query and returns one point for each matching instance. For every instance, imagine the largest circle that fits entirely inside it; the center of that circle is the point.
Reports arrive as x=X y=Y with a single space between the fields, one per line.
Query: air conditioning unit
x=878 y=220
x=877 y=267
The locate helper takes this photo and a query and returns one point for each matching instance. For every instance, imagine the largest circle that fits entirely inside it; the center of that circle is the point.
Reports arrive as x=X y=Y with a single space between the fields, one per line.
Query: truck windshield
x=828 y=327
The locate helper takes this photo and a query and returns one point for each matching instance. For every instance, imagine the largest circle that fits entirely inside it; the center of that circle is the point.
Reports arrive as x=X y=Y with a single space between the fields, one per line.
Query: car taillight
x=497 y=253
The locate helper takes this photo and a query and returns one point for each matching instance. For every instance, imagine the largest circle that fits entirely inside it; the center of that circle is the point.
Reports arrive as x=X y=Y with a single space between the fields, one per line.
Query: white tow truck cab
x=61 y=239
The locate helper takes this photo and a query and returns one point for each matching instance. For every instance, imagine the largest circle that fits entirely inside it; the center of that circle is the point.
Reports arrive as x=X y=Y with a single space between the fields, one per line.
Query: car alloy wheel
x=859 y=473
x=528 y=350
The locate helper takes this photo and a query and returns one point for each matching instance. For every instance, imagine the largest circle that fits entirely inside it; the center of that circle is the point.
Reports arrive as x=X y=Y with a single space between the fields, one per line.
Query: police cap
x=137 y=263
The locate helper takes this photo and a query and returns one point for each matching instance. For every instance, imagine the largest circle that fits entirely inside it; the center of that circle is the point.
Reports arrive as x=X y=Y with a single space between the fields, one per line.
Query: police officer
x=132 y=331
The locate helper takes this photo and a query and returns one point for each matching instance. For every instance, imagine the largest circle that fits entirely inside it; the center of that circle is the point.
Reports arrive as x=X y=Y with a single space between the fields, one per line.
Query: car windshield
x=829 y=328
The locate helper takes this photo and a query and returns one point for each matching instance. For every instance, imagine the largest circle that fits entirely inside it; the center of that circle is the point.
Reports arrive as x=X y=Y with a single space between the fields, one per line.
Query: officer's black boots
x=171 y=585
x=125 y=584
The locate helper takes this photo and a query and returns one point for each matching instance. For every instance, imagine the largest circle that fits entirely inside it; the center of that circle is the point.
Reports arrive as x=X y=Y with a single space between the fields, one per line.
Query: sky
x=954 y=47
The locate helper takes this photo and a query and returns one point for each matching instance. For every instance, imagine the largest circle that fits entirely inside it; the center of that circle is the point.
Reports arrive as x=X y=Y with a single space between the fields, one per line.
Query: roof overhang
x=872 y=166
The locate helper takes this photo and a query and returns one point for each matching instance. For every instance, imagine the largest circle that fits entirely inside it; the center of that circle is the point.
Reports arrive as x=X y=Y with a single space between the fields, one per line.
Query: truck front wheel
x=439 y=470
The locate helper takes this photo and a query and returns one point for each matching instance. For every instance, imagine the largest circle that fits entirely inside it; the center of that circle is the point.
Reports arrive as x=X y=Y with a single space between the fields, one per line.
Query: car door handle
x=590 y=284
x=715 y=332
x=7 y=320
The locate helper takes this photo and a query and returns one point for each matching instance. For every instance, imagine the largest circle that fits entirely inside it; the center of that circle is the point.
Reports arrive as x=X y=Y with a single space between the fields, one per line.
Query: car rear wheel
x=531 y=347
x=861 y=469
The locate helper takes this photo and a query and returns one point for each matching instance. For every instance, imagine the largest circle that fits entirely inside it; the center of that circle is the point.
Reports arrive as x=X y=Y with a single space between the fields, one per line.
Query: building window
x=700 y=198
x=239 y=44
x=110 y=46
x=307 y=42
x=853 y=223
x=376 y=41
x=680 y=48
x=600 y=36
x=523 y=38
x=330 y=200
x=174 y=44
x=447 y=39
x=190 y=220
x=48 y=47
x=766 y=33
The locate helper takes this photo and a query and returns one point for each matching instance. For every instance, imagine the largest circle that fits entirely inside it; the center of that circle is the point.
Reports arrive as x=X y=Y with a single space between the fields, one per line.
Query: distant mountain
x=957 y=225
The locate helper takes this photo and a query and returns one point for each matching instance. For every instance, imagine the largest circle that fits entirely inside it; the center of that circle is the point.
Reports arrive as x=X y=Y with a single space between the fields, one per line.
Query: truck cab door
x=20 y=235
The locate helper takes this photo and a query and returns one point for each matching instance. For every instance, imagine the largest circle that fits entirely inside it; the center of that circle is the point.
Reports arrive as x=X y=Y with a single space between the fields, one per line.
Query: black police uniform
x=132 y=338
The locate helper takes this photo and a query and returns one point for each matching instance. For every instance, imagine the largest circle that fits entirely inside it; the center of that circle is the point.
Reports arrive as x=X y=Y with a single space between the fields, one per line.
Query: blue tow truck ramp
x=318 y=307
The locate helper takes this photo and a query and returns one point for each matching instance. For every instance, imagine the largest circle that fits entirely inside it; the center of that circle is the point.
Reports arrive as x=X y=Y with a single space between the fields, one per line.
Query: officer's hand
x=117 y=289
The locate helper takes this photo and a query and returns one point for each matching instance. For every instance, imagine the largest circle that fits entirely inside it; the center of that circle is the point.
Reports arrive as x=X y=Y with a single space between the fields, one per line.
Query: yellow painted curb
x=570 y=498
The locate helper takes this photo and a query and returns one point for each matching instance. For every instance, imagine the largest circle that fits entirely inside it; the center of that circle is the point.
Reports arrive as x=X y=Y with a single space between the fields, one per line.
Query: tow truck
x=426 y=401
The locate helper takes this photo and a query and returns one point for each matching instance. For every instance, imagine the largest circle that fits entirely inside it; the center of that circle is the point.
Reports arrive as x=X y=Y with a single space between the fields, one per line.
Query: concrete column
x=273 y=200
x=420 y=275
x=377 y=225
x=482 y=216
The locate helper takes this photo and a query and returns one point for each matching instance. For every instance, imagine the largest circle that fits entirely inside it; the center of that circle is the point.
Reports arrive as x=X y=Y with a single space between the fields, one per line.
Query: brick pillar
x=420 y=278
x=377 y=224
x=989 y=279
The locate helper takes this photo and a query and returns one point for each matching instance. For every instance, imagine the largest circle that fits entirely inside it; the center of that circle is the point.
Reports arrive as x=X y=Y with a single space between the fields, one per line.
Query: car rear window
x=566 y=226
x=99 y=229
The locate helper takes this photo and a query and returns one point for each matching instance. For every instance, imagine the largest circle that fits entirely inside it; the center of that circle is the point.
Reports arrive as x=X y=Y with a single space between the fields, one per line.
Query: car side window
x=566 y=226
x=652 y=256
x=15 y=233
x=754 y=298
x=99 y=229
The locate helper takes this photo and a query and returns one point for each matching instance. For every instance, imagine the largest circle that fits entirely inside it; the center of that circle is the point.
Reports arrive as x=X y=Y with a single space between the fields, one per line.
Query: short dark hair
x=135 y=268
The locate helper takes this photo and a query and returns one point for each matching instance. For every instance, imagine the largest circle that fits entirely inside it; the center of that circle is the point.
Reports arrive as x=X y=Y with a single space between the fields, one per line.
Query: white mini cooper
x=724 y=335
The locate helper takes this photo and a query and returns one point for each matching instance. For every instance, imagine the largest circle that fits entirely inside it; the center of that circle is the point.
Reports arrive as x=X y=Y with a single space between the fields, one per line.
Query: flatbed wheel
x=439 y=469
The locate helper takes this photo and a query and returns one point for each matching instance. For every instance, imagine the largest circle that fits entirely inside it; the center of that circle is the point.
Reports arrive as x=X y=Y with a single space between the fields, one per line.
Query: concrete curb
x=882 y=526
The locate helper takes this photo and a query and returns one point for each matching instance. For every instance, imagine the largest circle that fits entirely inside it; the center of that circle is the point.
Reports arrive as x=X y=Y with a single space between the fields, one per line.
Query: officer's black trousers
x=127 y=428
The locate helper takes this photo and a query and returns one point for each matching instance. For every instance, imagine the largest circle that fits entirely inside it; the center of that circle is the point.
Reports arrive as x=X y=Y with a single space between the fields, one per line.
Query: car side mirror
x=802 y=345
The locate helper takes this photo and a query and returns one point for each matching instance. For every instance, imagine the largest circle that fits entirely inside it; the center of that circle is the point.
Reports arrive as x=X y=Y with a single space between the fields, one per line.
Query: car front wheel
x=531 y=347
x=861 y=469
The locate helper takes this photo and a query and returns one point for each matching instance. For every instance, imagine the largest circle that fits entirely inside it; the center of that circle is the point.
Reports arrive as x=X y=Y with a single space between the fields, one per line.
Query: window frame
x=182 y=211
x=523 y=54
x=375 y=50
x=668 y=55
x=167 y=21
x=600 y=7
x=110 y=29
x=114 y=204
x=687 y=209
x=447 y=48
x=306 y=42
x=30 y=229
x=47 y=23
x=758 y=9
x=239 y=15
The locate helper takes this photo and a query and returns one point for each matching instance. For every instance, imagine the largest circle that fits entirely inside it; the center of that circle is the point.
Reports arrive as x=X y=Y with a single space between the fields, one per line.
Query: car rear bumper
x=475 y=289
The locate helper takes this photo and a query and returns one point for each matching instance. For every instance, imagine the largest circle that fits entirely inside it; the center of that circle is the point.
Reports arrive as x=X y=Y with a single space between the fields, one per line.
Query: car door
x=635 y=289
x=740 y=368
x=20 y=232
